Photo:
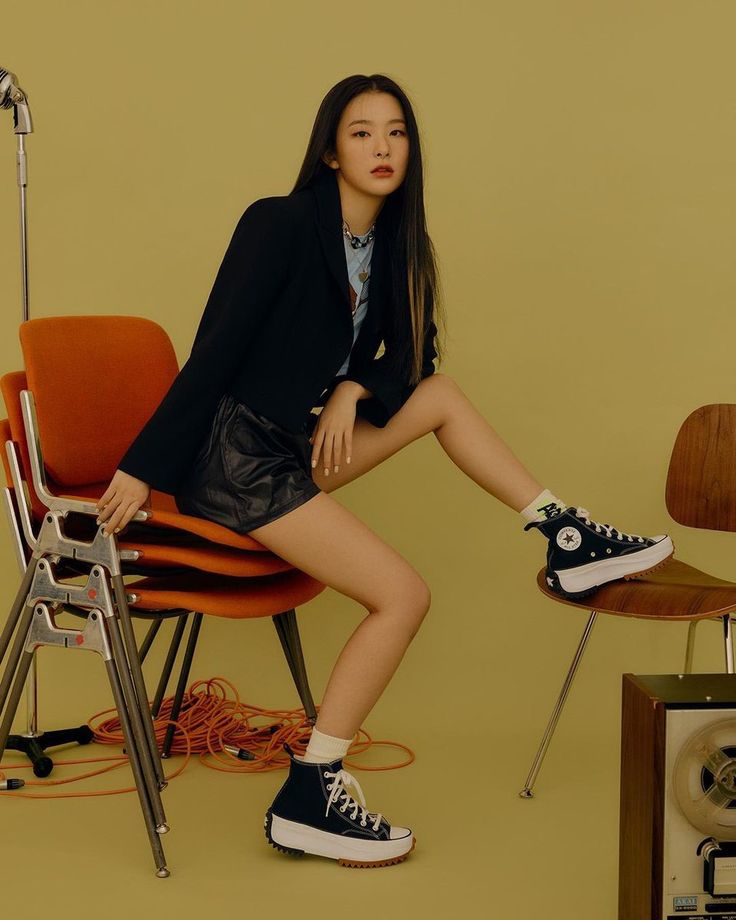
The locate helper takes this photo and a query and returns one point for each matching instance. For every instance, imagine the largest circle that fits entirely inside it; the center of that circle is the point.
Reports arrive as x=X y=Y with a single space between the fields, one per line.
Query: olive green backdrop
x=581 y=191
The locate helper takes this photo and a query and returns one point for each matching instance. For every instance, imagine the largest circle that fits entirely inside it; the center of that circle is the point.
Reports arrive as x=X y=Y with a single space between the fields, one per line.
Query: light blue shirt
x=355 y=259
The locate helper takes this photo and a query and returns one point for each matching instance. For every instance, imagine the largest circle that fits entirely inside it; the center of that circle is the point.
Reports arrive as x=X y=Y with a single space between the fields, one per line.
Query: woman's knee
x=409 y=600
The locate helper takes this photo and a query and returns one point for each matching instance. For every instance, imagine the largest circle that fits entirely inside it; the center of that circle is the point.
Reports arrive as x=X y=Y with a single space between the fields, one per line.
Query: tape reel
x=704 y=779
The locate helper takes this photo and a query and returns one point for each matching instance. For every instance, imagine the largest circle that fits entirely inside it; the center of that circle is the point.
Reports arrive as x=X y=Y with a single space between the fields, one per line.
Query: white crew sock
x=542 y=507
x=324 y=748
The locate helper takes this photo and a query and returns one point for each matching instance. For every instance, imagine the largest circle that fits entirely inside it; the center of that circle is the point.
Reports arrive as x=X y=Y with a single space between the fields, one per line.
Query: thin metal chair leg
x=13 y=660
x=526 y=792
x=136 y=673
x=114 y=668
x=16 y=609
x=728 y=642
x=163 y=682
x=20 y=679
x=288 y=632
x=148 y=640
x=136 y=720
x=302 y=681
x=182 y=682
x=690 y=649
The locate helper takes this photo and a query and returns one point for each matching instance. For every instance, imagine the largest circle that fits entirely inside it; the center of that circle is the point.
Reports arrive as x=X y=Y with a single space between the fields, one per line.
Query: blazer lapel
x=329 y=227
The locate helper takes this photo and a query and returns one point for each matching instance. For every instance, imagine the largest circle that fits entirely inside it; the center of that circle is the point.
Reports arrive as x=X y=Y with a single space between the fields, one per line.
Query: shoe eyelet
x=608 y=550
x=592 y=554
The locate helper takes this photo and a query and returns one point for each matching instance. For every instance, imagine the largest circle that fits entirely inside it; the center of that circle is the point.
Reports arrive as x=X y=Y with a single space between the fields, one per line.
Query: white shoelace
x=583 y=513
x=341 y=779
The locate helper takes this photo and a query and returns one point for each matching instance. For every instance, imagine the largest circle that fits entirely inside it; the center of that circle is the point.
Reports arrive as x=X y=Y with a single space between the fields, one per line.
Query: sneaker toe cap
x=398 y=833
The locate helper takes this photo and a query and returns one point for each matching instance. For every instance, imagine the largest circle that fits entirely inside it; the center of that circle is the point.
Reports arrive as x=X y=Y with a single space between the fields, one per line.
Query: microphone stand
x=32 y=742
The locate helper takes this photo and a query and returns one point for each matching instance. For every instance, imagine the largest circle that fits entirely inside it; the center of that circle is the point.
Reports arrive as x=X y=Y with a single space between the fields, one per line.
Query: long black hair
x=416 y=295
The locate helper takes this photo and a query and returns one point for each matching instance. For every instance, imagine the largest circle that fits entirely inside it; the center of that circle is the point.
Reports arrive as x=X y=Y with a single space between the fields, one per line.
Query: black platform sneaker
x=312 y=813
x=583 y=555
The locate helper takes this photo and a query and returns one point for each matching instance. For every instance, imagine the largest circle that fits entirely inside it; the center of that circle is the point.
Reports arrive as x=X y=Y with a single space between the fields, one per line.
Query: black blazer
x=276 y=328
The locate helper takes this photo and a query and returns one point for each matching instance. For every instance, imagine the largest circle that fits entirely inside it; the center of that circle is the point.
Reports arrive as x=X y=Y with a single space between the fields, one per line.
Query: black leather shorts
x=250 y=470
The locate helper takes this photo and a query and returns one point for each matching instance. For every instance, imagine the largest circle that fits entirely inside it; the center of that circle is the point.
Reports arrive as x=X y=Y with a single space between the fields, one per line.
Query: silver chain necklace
x=355 y=241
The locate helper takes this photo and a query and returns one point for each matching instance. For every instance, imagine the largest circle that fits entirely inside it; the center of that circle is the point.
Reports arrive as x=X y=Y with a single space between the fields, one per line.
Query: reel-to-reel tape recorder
x=677 y=848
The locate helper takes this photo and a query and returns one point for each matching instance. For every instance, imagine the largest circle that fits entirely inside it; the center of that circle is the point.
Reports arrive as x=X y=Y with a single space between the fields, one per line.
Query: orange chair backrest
x=96 y=381
x=701 y=480
x=6 y=436
x=11 y=386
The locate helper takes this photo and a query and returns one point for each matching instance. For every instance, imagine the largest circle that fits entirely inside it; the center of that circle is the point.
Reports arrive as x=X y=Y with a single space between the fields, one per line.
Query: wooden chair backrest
x=701 y=480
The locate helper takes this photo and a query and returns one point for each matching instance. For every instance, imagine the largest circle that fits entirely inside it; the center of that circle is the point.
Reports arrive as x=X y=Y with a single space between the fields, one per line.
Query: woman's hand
x=335 y=428
x=124 y=496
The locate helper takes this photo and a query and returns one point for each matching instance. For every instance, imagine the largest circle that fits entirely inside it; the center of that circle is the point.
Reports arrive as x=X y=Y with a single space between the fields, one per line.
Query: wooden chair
x=700 y=492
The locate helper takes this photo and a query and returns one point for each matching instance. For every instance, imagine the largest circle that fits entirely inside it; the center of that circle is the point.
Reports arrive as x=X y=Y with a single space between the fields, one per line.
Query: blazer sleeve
x=389 y=391
x=252 y=274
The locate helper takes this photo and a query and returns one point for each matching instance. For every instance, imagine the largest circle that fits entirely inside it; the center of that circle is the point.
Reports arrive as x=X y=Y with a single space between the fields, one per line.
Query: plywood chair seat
x=675 y=591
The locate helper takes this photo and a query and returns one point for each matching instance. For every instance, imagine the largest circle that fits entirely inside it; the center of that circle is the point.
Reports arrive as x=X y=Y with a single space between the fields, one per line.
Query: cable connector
x=240 y=753
x=11 y=784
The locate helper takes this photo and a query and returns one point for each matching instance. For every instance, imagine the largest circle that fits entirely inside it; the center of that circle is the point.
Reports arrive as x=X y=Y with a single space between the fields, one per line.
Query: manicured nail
x=99 y=521
x=348 y=460
x=336 y=469
x=117 y=530
x=327 y=472
x=314 y=463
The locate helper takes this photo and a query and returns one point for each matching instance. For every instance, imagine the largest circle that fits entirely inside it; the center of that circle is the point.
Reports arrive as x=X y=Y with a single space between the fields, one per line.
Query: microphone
x=12 y=95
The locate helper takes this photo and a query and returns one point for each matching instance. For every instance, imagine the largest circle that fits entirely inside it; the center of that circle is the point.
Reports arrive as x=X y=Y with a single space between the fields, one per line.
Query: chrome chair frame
x=526 y=792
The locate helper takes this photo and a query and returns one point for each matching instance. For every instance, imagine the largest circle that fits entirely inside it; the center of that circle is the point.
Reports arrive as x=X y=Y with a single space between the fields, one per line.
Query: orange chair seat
x=164 y=514
x=235 y=598
x=675 y=591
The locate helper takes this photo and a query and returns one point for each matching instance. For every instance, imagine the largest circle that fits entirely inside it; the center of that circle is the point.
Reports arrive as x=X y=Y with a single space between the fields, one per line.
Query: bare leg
x=325 y=540
x=439 y=405
x=328 y=542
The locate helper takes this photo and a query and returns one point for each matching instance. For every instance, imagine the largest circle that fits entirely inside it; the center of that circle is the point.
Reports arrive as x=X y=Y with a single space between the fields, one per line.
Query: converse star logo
x=569 y=538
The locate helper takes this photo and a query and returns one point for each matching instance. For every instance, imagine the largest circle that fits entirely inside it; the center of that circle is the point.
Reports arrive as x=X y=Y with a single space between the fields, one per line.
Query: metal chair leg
x=96 y=636
x=287 y=628
x=728 y=642
x=17 y=608
x=526 y=792
x=21 y=673
x=136 y=674
x=690 y=649
x=182 y=683
x=133 y=740
x=11 y=668
x=169 y=664
x=148 y=639
x=136 y=710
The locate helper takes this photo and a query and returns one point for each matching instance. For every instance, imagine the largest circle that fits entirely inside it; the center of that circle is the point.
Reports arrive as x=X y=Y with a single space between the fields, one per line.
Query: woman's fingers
x=123 y=514
x=327 y=452
x=317 y=438
x=104 y=499
x=108 y=509
x=337 y=451
x=330 y=445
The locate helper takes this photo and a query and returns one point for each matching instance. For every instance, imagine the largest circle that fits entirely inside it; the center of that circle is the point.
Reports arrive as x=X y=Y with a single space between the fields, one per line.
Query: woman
x=290 y=326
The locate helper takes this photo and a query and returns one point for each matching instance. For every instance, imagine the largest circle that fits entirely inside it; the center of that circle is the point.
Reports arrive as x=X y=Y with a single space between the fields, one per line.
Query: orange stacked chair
x=71 y=416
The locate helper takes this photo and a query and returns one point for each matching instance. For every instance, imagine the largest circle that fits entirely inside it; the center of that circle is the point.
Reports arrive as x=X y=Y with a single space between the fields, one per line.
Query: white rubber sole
x=592 y=574
x=348 y=850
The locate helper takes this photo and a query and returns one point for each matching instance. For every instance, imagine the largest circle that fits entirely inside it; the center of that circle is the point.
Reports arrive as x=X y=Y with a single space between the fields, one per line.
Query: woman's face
x=372 y=131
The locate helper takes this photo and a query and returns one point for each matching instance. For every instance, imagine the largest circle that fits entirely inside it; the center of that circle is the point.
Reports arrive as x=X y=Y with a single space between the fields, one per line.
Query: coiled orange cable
x=208 y=721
